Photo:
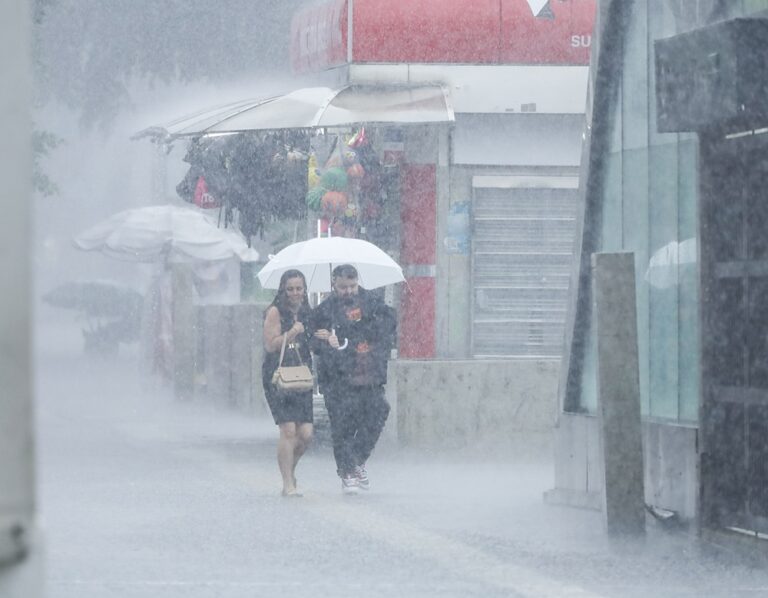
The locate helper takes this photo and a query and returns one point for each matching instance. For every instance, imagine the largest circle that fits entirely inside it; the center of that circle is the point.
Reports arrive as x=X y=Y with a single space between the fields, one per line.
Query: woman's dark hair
x=281 y=299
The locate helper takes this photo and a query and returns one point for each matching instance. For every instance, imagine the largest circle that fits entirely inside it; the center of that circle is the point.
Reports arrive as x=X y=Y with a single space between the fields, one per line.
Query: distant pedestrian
x=285 y=320
x=355 y=333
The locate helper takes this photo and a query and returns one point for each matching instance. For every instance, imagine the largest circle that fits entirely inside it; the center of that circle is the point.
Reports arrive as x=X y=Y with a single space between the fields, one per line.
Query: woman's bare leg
x=286 y=460
x=303 y=440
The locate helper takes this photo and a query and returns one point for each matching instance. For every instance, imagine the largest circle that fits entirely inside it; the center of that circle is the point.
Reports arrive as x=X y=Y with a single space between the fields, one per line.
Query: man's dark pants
x=358 y=415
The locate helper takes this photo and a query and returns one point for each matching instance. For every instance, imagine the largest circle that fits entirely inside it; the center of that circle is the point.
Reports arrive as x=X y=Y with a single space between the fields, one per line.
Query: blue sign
x=457 y=235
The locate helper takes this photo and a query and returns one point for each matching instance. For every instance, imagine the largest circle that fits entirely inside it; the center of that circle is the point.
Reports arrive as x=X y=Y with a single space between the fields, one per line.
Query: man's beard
x=349 y=300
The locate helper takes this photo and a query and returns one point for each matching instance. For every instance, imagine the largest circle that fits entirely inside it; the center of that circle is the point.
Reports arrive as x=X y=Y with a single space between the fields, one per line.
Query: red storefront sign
x=444 y=31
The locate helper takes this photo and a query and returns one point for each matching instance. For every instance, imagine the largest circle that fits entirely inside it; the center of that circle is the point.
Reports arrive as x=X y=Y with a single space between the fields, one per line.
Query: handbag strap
x=282 y=351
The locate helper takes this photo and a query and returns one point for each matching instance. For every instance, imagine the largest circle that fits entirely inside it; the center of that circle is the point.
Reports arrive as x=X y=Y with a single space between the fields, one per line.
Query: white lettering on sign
x=304 y=42
x=537 y=6
x=311 y=40
x=581 y=41
x=208 y=201
x=336 y=24
x=321 y=35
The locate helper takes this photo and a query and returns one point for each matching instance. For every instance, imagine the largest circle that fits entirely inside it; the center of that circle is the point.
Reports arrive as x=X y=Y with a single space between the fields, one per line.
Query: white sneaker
x=362 y=478
x=350 y=485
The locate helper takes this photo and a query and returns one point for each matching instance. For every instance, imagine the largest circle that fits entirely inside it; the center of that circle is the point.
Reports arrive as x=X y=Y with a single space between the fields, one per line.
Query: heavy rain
x=419 y=298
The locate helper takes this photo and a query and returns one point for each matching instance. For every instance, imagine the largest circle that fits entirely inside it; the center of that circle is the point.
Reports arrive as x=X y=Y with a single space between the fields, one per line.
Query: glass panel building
x=640 y=192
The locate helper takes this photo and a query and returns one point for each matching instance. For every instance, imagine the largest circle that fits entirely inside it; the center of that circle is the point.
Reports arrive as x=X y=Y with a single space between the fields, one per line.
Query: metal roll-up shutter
x=522 y=247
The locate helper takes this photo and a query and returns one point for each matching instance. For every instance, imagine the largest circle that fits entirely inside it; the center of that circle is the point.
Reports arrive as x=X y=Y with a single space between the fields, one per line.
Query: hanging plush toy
x=334 y=188
x=358 y=139
x=313 y=172
x=315 y=197
x=334 y=179
x=355 y=171
x=334 y=203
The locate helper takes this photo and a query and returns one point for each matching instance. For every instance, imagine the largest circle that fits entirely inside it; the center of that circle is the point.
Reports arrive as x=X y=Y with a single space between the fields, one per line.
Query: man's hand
x=333 y=340
x=330 y=336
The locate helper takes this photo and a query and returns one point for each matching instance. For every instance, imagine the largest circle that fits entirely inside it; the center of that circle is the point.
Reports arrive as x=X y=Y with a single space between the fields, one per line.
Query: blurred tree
x=89 y=53
x=42 y=144
x=42 y=141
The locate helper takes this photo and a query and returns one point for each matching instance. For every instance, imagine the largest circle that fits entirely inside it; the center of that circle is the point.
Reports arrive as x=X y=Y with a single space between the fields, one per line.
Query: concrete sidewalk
x=141 y=496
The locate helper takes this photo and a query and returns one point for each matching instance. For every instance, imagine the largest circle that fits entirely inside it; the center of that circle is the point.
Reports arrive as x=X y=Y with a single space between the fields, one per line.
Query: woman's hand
x=322 y=334
x=296 y=330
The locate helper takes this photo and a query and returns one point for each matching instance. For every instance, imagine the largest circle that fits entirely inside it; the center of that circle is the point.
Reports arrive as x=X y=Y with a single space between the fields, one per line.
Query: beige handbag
x=293 y=378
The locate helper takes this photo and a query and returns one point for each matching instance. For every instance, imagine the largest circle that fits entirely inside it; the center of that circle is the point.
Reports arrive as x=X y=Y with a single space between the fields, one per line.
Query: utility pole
x=19 y=552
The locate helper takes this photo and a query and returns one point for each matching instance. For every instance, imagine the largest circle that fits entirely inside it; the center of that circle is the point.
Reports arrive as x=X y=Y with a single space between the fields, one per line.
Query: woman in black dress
x=286 y=318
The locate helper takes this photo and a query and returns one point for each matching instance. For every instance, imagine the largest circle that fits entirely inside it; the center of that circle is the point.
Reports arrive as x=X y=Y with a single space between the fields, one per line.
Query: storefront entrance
x=522 y=247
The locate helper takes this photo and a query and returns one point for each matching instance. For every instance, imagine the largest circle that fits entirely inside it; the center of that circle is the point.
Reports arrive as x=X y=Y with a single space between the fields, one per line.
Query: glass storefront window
x=648 y=205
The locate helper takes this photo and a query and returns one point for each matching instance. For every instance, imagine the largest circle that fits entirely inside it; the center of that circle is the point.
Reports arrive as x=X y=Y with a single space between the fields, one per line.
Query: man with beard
x=355 y=333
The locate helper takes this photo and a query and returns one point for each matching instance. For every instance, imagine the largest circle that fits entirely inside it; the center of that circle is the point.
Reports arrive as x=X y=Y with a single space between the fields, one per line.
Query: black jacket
x=367 y=322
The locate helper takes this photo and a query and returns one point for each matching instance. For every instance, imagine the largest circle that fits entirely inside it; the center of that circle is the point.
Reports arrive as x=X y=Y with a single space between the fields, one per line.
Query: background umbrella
x=172 y=233
x=316 y=258
x=665 y=265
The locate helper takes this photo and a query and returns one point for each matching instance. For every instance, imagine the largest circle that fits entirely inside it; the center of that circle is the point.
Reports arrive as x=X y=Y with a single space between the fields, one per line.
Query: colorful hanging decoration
x=346 y=190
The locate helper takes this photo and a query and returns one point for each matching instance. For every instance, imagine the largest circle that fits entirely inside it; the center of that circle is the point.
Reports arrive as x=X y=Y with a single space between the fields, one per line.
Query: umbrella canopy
x=316 y=258
x=96 y=298
x=153 y=233
x=317 y=107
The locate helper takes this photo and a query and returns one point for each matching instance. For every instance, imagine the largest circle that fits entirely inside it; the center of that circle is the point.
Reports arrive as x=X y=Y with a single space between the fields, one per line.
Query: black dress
x=289 y=406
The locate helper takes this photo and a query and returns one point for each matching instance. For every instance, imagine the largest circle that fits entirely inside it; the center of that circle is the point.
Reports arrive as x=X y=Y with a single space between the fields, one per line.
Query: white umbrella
x=314 y=107
x=152 y=233
x=663 y=267
x=316 y=258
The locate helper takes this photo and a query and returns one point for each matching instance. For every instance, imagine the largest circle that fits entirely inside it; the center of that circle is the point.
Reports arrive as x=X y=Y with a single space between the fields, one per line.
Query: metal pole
x=18 y=569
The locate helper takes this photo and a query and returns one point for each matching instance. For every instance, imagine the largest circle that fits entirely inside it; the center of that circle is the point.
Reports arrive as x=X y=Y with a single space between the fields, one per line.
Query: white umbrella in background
x=317 y=257
x=663 y=267
x=172 y=233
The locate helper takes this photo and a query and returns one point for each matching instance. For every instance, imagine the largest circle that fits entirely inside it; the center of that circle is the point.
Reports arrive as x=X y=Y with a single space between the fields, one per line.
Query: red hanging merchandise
x=203 y=199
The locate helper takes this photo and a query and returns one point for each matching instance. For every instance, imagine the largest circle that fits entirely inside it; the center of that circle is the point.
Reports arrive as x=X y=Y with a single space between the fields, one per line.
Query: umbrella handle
x=346 y=341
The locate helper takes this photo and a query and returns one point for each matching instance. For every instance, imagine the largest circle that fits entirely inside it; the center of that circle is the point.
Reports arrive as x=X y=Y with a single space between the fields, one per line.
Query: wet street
x=142 y=496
